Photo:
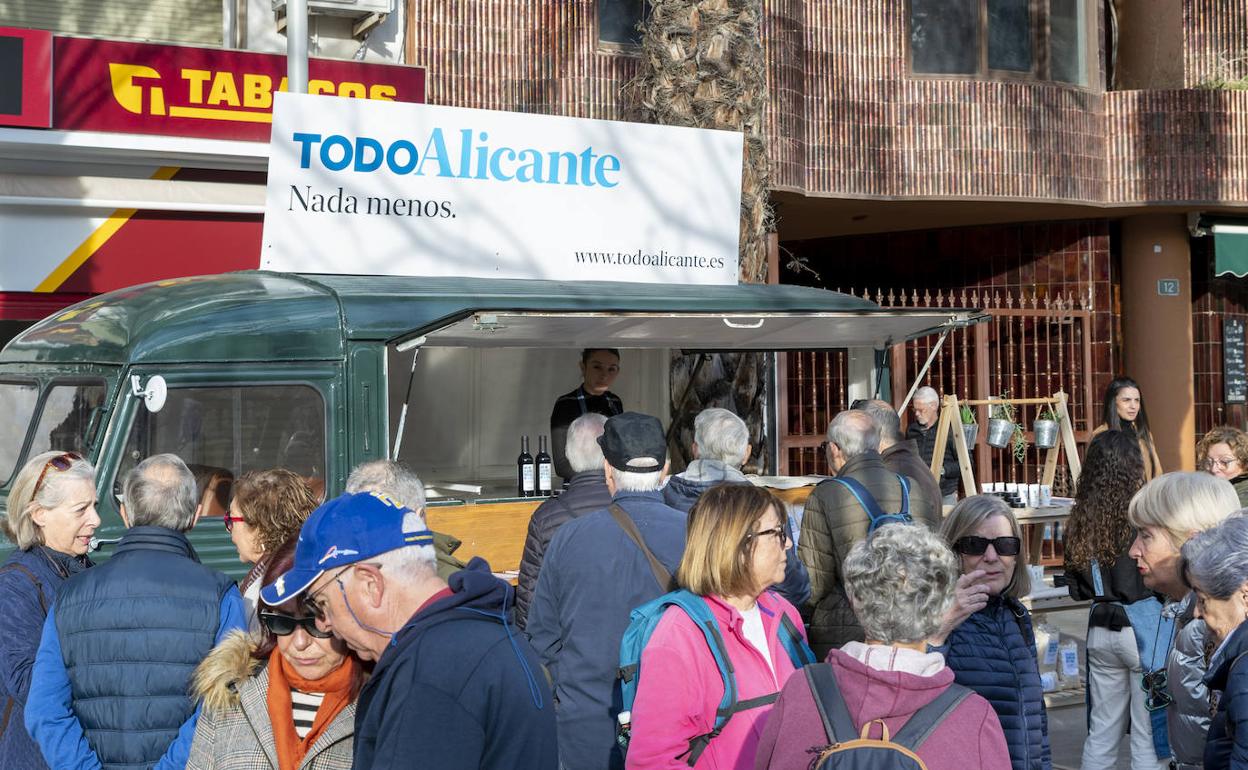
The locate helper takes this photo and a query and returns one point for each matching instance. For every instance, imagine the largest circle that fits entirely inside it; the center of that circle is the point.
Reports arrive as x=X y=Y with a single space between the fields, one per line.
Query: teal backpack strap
x=864 y=497
x=905 y=496
x=794 y=643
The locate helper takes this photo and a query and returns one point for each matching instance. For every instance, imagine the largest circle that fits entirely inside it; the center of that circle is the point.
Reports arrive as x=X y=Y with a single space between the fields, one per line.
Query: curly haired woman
x=1125 y=631
x=1223 y=452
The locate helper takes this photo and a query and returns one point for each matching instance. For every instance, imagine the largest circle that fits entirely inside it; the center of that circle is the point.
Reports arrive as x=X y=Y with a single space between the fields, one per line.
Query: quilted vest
x=132 y=631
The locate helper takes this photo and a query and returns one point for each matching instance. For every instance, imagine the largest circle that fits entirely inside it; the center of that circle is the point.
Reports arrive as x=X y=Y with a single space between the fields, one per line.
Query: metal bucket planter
x=999 y=432
x=970 y=430
x=1046 y=433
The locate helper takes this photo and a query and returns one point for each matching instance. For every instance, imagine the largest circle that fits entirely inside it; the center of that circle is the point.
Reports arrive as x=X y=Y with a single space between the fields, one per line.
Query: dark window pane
x=618 y=20
x=11 y=71
x=1068 y=49
x=944 y=36
x=1010 y=35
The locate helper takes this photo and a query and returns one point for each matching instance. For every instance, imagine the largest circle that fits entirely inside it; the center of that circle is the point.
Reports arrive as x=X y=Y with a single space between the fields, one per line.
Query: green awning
x=1230 y=250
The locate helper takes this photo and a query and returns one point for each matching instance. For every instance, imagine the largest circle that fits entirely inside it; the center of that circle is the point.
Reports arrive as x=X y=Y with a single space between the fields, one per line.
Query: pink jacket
x=969 y=739
x=681 y=687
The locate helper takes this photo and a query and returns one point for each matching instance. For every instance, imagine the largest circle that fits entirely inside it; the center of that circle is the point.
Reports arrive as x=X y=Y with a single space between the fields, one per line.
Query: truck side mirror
x=153 y=393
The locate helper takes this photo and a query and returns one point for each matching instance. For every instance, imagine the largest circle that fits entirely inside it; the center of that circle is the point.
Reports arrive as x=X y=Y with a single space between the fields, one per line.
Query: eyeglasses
x=781 y=533
x=1154 y=683
x=229 y=520
x=972 y=545
x=61 y=462
x=311 y=605
x=285 y=625
x=1223 y=463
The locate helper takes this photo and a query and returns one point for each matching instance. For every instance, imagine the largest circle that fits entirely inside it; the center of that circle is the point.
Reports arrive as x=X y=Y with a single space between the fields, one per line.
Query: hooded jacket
x=1227 y=745
x=586 y=492
x=684 y=489
x=969 y=737
x=681 y=687
x=833 y=522
x=993 y=652
x=458 y=687
x=234 y=730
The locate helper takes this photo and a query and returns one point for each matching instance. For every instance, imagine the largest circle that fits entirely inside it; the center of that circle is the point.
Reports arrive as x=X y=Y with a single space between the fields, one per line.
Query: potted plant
x=1045 y=428
x=970 y=427
x=1001 y=423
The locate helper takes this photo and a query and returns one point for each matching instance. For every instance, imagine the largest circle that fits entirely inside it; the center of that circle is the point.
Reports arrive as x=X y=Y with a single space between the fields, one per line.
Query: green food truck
x=317 y=373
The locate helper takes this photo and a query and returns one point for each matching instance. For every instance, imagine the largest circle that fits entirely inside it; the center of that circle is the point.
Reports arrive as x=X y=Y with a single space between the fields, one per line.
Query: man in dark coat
x=901 y=456
x=922 y=431
x=834 y=520
x=721 y=445
x=586 y=492
x=593 y=575
x=111 y=681
x=454 y=685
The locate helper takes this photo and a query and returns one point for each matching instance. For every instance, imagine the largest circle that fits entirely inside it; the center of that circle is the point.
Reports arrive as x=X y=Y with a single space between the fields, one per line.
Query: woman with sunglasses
x=51 y=519
x=986 y=637
x=734 y=553
x=1126 y=635
x=284 y=700
x=1214 y=564
x=1166 y=513
x=267 y=509
x=1223 y=452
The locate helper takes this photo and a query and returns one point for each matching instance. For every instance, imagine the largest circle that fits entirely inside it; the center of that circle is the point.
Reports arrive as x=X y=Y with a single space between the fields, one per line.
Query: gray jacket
x=234 y=731
x=1187 y=720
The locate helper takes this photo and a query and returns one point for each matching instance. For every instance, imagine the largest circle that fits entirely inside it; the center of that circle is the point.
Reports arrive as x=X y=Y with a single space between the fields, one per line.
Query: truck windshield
x=17 y=406
x=66 y=417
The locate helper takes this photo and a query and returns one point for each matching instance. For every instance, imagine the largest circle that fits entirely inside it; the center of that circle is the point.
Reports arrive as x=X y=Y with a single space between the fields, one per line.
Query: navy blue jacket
x=458 y=687
x=111 y=681
x=1227 y=744
x=993 y=653
x=681 y=494
x=23 y=608
x=592 y=578
x=586 y=492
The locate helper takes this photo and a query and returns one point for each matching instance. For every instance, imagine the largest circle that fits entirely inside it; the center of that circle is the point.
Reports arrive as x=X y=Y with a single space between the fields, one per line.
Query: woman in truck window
x=51 y=520
x=599 y=368
x=268 y=509
x=281 y=699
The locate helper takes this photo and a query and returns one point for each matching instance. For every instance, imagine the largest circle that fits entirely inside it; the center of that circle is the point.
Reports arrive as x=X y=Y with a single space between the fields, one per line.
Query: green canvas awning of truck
x=1230 y=249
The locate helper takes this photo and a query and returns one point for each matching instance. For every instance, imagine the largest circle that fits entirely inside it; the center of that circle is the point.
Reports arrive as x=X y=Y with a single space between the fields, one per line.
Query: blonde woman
x=1166 y=513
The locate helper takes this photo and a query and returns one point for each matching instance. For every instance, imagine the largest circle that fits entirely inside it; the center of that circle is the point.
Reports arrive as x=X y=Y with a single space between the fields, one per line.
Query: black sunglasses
x=973 y=545
x=285 y=625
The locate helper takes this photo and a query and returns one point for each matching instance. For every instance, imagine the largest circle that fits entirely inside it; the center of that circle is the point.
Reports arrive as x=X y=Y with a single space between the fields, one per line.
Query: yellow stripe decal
x=95 y=240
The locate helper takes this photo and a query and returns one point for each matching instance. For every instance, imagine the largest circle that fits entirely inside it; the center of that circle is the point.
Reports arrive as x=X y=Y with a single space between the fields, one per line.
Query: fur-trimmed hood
x=216 y=680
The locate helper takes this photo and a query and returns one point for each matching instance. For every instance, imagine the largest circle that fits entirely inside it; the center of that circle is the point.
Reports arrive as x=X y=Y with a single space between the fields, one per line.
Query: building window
x=619 y=21
x=1039 y=39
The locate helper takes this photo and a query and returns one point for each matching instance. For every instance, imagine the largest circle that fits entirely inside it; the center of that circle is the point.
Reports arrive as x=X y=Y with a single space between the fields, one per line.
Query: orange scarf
x=336 y=686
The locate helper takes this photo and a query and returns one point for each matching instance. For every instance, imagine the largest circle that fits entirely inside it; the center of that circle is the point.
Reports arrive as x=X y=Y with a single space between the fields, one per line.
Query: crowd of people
x=658 y=622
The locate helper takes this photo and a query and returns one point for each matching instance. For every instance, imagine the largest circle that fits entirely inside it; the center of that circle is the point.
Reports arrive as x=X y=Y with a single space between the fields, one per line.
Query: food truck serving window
x=17 y=406
x=224 y=432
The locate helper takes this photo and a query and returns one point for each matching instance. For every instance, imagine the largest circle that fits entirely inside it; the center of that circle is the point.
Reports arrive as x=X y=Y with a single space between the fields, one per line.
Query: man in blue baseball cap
x=474 y=696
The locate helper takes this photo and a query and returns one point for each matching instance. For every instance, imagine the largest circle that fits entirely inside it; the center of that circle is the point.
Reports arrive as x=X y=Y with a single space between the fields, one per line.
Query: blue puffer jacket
x=993 y=652
x=23 y=608
x=1227 y=744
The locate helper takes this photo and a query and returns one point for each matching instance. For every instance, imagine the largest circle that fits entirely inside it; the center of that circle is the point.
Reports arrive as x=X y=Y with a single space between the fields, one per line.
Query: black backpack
x=852 y=749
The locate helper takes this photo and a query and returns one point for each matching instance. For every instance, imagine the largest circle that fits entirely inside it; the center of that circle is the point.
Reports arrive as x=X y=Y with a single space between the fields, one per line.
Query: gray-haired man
x=922 y=430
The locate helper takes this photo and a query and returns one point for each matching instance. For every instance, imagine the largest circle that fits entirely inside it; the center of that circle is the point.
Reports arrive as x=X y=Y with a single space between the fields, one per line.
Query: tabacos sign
x=143 y=88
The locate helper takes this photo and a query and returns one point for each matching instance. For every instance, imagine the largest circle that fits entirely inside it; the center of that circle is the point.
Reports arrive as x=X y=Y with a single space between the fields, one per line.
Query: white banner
x=387 y=188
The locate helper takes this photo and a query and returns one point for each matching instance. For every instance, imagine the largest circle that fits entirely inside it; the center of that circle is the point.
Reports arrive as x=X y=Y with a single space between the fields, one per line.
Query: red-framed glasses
x=61 y=462
x=229 y=521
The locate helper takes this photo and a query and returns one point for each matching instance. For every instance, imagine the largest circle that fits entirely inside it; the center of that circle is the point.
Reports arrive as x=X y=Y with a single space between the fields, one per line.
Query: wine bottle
x=545 y=469
x=525 y=470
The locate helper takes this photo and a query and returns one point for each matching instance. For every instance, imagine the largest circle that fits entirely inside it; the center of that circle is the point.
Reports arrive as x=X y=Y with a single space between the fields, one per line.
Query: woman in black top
x=599 y=368
x=1125 y=637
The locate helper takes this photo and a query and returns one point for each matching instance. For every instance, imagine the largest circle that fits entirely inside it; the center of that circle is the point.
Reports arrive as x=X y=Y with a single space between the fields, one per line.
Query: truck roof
x=266 y=316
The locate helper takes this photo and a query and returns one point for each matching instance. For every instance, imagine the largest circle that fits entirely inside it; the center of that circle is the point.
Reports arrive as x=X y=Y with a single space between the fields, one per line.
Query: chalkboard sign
x=1234 y=375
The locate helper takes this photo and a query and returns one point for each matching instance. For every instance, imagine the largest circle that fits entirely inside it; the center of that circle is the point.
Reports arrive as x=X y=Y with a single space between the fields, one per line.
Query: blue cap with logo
x=348 y=529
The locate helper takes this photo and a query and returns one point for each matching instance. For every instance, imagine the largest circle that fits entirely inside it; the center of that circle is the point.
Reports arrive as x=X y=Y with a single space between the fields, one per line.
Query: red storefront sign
x=25 y=78
x=142 y=88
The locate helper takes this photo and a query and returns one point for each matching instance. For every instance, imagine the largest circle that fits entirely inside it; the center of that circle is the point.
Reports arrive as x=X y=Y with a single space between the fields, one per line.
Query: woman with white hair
x=51 y=519
x=1166 y=513
x=1215 y=567
x=900 y=583
x=987 y=635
